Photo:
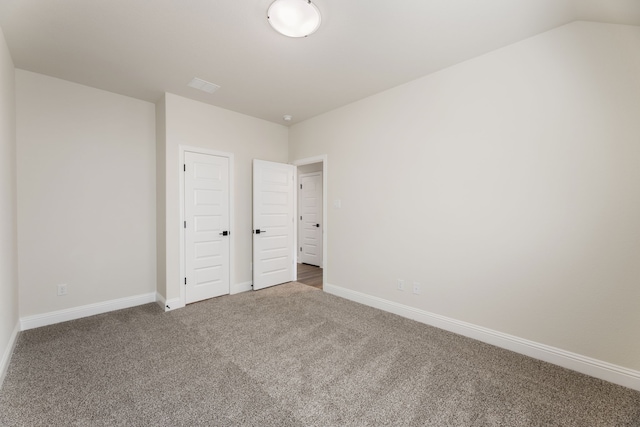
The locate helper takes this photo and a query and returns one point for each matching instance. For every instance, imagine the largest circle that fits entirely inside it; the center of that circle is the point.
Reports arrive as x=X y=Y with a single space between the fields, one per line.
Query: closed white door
x=273 y=210
x=310 y=219
x=206 y=225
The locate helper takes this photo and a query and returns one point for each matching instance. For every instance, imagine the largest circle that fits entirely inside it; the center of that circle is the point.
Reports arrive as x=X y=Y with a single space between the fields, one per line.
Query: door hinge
x=300 y=249
x=300 y=217
x=185 y=224
x=301 y=186
x=185 y=280
x=184 y=167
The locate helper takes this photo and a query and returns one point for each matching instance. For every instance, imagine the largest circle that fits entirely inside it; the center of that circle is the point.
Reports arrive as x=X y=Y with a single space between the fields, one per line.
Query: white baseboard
x=8 y=352
x=172 y=304
x=168 y=304
x=576 y=362
x=241 y=287
x=175 y=303
x=161 y=301
x=54 y=317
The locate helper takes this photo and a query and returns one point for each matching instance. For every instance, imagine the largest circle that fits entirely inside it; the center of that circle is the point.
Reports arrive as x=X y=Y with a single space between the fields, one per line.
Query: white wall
x=8 y=226
x=161 y=199
x=86 y=194
x=508 y=186
x=197 y=124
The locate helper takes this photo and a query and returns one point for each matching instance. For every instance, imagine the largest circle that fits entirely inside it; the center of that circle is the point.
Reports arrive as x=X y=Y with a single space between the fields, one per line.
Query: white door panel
x=273 y=212
x=310 y=229
x=206 y=190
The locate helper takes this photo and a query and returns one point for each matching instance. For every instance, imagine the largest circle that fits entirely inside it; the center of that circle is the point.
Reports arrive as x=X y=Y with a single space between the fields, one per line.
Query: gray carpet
x=288 y=356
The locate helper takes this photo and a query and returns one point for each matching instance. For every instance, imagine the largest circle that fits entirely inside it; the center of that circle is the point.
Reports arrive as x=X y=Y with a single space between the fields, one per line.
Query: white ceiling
x=142 y=48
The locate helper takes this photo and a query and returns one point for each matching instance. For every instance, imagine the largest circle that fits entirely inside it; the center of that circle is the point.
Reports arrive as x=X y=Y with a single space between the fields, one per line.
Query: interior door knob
x=317 y=225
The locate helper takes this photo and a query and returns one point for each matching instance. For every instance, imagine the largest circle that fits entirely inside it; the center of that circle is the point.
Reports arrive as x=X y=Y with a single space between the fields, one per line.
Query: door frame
x=232 y=230
x=298 y=189
x=323 y=158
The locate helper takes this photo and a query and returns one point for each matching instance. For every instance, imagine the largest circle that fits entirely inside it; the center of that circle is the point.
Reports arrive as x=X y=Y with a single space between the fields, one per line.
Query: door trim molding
x=297 y=216
x=199 y=150
x=323 y=158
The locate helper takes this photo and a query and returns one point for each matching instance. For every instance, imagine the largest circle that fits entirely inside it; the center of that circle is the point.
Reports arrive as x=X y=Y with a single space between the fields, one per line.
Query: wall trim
x=73 y=313
x=173 y=304
x=168 y=304
x=586 y=365
x=8 y=352
x=324 y=159
x=241 y=287
x=161 y=301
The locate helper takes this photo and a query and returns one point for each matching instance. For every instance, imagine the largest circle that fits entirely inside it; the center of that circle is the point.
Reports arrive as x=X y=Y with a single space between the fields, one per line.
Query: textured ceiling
x=142 y=48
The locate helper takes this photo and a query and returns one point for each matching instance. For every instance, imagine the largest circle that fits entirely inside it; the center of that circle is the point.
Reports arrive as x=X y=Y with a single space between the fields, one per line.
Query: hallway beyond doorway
x=310 y=275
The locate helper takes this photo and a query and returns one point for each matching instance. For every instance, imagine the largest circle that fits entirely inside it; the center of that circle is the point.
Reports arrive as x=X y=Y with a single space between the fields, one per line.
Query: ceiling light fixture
x=294 y=18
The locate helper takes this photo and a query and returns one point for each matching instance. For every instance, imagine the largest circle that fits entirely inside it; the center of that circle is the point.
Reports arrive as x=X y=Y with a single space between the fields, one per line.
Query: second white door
x=310 y=219
x=273 y=210
x=206 y=206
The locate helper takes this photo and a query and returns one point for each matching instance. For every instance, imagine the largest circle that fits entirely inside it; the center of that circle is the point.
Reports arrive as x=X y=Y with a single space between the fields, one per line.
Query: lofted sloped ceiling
x=142 y=48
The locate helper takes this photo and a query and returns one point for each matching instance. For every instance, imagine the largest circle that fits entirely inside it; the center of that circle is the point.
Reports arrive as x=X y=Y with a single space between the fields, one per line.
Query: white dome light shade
x=294 y=18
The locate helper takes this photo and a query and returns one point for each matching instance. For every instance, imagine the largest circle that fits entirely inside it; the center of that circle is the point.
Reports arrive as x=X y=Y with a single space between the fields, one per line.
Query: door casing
x=300 y=220
x=325 y=217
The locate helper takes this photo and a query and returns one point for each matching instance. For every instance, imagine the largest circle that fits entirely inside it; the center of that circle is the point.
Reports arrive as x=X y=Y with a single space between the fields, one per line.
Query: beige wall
x=506 y=185
x=161 y=198
x=8 y=226
x=86 y=194
x=196 y=124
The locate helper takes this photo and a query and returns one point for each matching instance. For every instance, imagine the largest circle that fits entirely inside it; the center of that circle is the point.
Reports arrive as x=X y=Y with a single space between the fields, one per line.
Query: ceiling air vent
x=203 y=85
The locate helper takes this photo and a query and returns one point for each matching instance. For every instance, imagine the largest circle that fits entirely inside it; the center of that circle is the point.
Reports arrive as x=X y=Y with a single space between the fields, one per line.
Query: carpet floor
x=288 y=356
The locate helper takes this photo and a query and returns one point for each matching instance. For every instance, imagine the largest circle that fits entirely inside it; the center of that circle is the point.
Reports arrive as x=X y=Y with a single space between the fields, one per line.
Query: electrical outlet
x=416 y=288
x=62 y=290
x=400 y=286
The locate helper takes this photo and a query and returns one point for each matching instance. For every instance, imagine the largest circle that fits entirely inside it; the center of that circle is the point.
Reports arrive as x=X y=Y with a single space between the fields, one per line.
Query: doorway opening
x=277 y=218
x=311 y=221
